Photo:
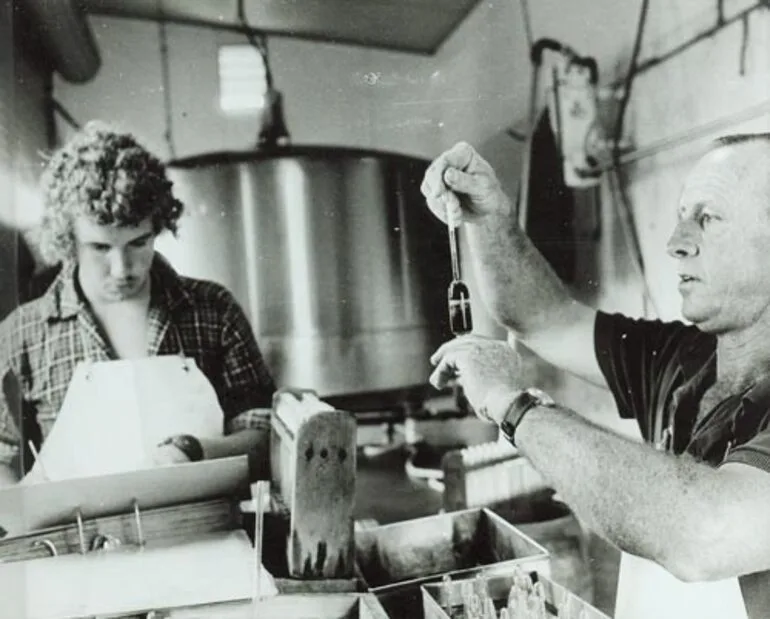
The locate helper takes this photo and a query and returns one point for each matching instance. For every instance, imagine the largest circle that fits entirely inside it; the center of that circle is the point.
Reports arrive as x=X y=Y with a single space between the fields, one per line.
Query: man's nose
x=120 y=264
x=683 y=242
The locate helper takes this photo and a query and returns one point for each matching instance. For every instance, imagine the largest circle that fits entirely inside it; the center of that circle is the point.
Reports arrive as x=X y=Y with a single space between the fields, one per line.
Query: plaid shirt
x=42 y=341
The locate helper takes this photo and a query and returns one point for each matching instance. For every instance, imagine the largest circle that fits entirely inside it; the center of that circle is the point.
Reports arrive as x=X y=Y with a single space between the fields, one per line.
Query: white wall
x=475 y=86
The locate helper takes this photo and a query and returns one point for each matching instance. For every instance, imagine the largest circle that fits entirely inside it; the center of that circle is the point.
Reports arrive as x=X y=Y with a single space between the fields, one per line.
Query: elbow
x=500 y=311
x=685 y=569
x=693 y=554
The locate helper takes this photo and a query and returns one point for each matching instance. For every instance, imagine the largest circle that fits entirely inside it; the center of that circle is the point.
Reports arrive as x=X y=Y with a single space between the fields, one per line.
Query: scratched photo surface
x=294 y=285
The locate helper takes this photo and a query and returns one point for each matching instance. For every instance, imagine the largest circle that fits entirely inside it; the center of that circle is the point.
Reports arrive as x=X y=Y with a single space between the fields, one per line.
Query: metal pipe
x=692 y=134
x=67 y=38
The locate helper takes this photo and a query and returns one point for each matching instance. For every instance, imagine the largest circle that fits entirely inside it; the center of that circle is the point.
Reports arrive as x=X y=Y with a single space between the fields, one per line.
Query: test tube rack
x=487 y=474
x=517 y=595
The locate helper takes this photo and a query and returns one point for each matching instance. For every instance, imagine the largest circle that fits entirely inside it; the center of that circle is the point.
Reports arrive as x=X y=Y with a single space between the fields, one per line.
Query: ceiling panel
x=418 y=26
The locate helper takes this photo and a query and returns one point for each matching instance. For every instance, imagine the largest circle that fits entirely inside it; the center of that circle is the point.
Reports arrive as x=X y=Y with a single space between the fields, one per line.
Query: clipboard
x=216 y=568
x=28 y=507
x=214 y=564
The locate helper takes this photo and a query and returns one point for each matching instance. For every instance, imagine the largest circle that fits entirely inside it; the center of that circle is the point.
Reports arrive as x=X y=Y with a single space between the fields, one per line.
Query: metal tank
x=333 y=255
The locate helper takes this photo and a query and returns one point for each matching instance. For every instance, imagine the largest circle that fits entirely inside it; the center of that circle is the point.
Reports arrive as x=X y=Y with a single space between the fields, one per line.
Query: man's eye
x=706 y=218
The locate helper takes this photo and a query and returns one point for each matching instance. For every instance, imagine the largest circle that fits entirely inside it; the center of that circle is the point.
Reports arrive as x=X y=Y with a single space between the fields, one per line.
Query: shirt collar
x=757 y=399
x=167 y=282
x=61 y=301
x=64 y=300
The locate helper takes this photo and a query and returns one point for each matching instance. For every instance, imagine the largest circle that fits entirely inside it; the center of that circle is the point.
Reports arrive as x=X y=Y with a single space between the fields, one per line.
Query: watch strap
x=524 y=402
x=188 y=445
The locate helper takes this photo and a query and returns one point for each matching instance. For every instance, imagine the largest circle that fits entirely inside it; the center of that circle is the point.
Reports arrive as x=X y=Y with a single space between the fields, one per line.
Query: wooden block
x=313 y=460
x=321 y=505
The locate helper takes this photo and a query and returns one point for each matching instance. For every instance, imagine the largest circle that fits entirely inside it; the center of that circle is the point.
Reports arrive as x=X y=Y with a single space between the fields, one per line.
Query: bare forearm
x=251 y=442
x=519 y=286
x=648 y=503
x=236 y=444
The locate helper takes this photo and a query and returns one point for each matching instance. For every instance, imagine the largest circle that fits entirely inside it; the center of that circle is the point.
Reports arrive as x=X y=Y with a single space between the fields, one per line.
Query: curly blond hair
x=109 y=177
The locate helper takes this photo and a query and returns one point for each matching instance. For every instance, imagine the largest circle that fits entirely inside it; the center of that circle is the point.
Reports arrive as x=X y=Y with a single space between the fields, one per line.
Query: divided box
x=394 y=560
x=444 y=601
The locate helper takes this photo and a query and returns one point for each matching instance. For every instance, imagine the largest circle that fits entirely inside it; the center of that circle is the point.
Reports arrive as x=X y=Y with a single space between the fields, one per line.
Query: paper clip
x=81 y=531
x=138 y=521
x=48 y=544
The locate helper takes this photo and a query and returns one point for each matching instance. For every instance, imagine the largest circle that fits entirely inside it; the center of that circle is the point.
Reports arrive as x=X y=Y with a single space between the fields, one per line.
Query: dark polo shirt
x=658 y=372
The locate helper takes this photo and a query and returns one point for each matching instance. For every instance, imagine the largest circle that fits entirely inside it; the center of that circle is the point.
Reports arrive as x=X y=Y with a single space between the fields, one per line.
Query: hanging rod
x=694 y=133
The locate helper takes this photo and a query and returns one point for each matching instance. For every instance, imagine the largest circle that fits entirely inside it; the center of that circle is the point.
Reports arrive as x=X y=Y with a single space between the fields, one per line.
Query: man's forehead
x=727 y=174
x=728 y=164
x=86 y=229
x=742 y=159
x=712 y=174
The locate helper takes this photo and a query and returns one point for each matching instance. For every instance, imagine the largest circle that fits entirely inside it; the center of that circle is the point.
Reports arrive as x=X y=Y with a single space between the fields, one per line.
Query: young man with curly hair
x=106 y=201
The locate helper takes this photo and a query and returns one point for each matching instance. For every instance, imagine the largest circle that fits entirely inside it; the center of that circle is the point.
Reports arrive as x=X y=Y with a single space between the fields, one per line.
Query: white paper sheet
x=220 y=567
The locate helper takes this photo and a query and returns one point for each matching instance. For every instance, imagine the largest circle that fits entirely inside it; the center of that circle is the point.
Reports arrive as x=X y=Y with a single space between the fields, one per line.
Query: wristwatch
x=188 y=445
x=525 y=401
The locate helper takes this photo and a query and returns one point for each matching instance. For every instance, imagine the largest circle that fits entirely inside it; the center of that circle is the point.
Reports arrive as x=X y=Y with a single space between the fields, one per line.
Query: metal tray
x=394 y=560
x=444 y=601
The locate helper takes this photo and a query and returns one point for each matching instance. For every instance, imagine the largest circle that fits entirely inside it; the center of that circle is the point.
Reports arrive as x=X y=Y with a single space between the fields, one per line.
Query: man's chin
x=695 y=317
x=121 y=293
x=705 y=322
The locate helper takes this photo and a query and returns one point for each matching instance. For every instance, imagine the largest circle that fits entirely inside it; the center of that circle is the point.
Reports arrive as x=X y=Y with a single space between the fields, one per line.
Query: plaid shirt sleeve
x=248 y=384
x=9 y=431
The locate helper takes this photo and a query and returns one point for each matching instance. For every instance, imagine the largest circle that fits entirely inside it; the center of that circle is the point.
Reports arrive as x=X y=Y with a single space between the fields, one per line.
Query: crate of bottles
x=518 y=595
x=395 y=559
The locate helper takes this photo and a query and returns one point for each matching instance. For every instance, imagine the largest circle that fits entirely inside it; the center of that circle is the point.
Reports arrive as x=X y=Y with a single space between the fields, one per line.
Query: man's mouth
x=684 y=278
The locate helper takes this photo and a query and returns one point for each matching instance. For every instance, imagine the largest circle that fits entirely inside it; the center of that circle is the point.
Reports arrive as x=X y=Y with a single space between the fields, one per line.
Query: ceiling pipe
x=66 y=36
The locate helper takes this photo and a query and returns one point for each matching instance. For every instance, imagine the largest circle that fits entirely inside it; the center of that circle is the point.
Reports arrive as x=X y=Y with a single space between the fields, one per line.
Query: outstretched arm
x=517 y=284
x=697 y=521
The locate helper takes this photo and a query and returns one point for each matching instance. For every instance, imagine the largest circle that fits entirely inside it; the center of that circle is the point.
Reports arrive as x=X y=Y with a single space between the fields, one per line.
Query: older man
x=695 y=499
